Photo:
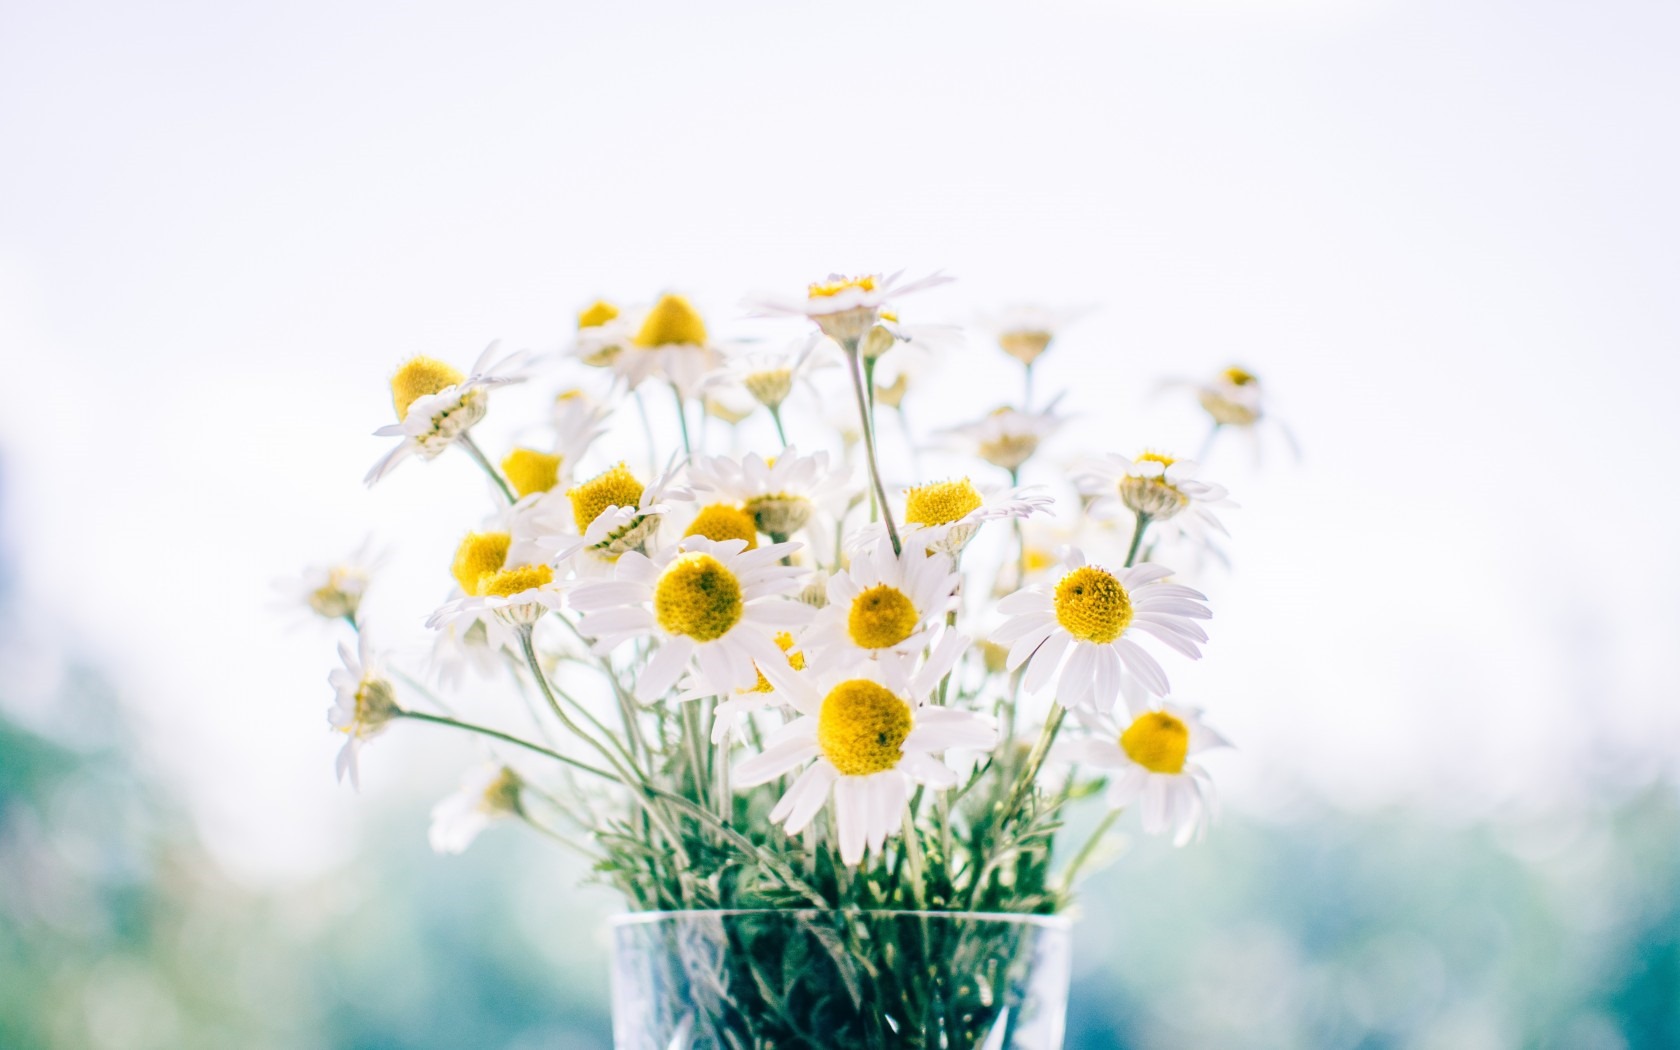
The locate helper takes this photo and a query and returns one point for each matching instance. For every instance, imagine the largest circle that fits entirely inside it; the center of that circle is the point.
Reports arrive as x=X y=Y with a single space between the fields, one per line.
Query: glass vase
x=858 y=980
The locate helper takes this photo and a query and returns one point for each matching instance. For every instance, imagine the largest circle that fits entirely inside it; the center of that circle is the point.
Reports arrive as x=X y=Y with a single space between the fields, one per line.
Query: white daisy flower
x=604 y=516
x=518 y=596
x=436 y=404
x=1148 y=763
x=944 y=515
x=867 y=731
x=365 y=704
x=487 y=795
x=1008 y=437
x=1157 y=486
x=1024 y=332
x=884 y=602
x=770 y=375
x=334 y=590
x=1233 y=398
x=670 y=343
x=780 y=493
x=716 y=605
x=460 y=647
x=846 y=308
x=1081 y=632
x=602 y=334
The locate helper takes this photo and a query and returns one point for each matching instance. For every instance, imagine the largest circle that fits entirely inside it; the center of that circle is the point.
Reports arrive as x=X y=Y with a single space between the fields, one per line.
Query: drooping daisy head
x=781 y=493
x=1077 y=634
x=1149 y=757
x=334 y=590
x=866 y=733
x=1024 y=332
x=614 y=512
x=487 y=794
x=364 y=704
x=1157 y=487
x=769 y=376
x=944 y=515
x=1232 y=398
x=517 y=594
x=602 y=333
x=884 y=602
x=846 y=308
x=1008 y=437
x=436 y=404
x=716 y=604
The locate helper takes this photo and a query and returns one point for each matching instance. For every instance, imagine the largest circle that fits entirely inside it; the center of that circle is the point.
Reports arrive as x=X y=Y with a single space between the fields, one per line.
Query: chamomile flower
x=333 y=591
x=1148 y=761
x=1233 y=398
x=602 y=334
x=460 y=647
x=781 y=493
x=944 y=515
x=1157 y=486
x=1024 y=332
x=1008 y=437
x=436 y=404
x=884 y=602
x=846 y=308
x=867 y=735
x=365 y=704
x=717 y=605
x=613 y=512
x=1079 y=633
x=769 y=376
x=671 y=344
x=487 y=795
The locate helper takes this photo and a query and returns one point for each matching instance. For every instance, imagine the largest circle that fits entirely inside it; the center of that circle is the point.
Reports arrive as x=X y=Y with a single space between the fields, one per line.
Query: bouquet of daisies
x=799 y=678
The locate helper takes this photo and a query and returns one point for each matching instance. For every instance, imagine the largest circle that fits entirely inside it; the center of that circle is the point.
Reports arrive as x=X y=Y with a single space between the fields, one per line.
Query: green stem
x=1207 y=442
x=507 y=738
x=1137 y=538
x=682 y=420
x=1026 y=393
x=1089 y=848
x=1035 y=761
x=647 y=431
x=776 y=417
x=587 y=854
x=880 y=490
x=478 y=456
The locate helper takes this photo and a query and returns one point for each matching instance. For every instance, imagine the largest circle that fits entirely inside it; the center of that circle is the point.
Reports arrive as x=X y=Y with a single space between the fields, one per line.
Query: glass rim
x=644 y=918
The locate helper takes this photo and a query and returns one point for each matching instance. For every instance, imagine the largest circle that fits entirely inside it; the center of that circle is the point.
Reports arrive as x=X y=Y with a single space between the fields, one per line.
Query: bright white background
x=1444 y=232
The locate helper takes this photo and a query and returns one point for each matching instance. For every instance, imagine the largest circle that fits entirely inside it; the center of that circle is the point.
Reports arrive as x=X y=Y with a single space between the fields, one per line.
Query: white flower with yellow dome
x=883 y=603
x=436 y=405
x=1156 y=486
x=669 y=341
x=1077 y=635
x=718 y=605
x=846 y=308
x=944 y=515
x=1007 y=437
x=1148 y=762
x=867 y=734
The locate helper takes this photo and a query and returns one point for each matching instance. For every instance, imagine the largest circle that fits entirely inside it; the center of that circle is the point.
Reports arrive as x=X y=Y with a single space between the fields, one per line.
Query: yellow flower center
x=1025 y=346
x=597 y=314
x=861 y=727
x=1092 y=605
x=611 y=488
x=724 y=521
x=418 y=377
x=697 y=596
x=1239 y=376
x=830 y=289
x=509 y=582
x=479 y=554
x=1158 y=457
x=881 y=617
x=784 y=642
x=1157 y=741
x=531 y=471
x=673 y=321
x=940 y=503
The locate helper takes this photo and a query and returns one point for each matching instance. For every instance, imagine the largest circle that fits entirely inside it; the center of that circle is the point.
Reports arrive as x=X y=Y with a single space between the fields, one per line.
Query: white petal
x=661 y=672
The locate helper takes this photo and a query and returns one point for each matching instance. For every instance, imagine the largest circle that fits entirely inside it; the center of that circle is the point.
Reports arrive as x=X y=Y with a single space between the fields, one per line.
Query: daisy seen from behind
x=1076 y=635
x=866 y=735
x=365 y=703
x=1157 y=487
x=436 y=405
x=781 y=493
